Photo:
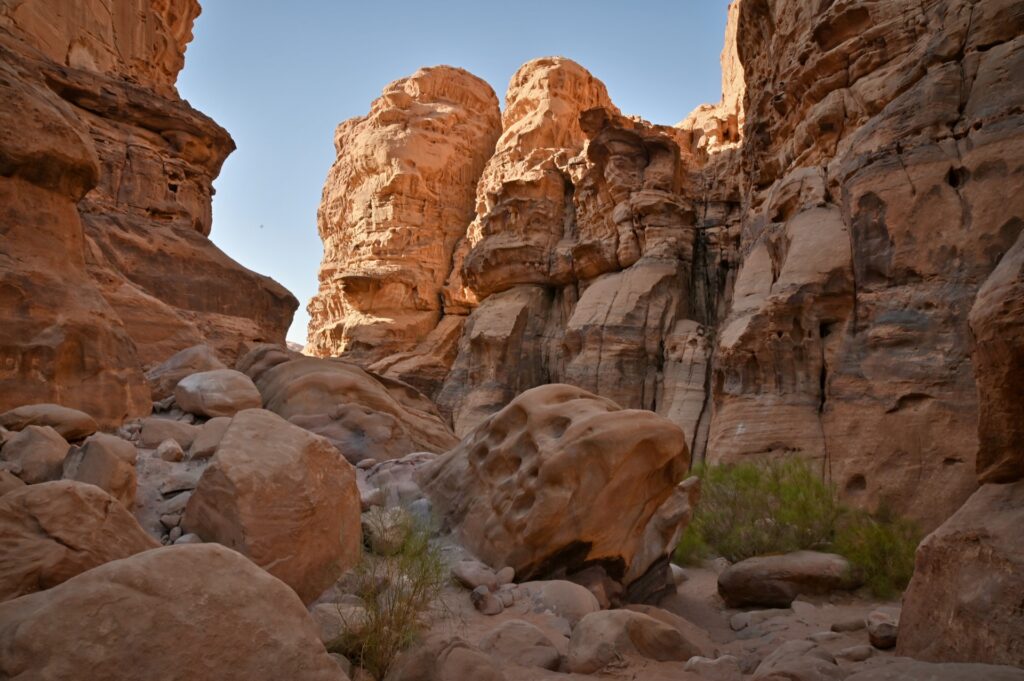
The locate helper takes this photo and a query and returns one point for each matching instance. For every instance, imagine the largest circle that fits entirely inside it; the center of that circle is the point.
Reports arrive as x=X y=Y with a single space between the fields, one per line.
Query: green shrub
x=401 y=593
x=752 y=509
x=881 y=549
x=755 y=509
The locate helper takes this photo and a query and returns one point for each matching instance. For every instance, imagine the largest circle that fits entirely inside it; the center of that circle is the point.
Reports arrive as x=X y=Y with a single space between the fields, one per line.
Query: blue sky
x=281 y=76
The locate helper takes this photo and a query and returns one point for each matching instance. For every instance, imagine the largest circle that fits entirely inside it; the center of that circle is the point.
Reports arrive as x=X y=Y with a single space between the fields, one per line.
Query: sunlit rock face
x=396 y=201
x=785 y=273
x=107 y=267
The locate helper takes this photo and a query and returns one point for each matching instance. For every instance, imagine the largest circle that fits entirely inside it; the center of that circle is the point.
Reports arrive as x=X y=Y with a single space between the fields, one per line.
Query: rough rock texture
x=395 y=202
x=365 y=415
x=785 y=273
x=52 y=531
x=165 y=376
x=282 y=497
x=35 y=454
x=605 y=637
x=774 y=581
x=997 y=321
x=221 y=392
x=105 y=189
x=181 y=611
x=880 y=144
x=964 y=601
x=107 y=462
x=559 y=480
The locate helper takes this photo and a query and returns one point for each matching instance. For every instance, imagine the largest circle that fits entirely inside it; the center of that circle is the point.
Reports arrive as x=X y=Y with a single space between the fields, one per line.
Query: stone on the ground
x=155 y=430
x=36 y=454
x=165 y=376
x=220 y=392
x=282 y=497
x=385 y=530
x=52 y=531
x=71 y=424
x=849 y=624
x=607 y=636
x=170 y=450
x=472 y=574
x=210 y=435
x=856 y=653
x=775 y=581
x=697 y=642
x=569 y=601
x=171 y=613
x=107 y=462
x=188 y=539
x=883 y=629
x=521 y=643
x=799 y=661
x=443 y=657
x=559 y=478
x=905 y=669
x=486 y=601
x=334 y=620
x=724 y=668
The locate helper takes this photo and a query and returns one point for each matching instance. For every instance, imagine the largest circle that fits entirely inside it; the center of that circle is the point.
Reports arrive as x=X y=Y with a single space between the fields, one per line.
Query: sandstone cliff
x=106 y=267
x=785 y=273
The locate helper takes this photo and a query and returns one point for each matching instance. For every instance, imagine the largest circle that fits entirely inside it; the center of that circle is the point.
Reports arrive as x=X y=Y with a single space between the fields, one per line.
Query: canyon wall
x=107 y=174
x=785 y=273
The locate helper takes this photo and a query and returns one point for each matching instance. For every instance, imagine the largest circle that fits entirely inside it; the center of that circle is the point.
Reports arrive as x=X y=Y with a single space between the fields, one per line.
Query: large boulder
x=964 y=601
x=171 y=614
x=36 y=454
x=71 y=424
x=444 y=658
x=284 y=498
x=165 y=376
x=609 y=635
x=52 y=531
x=107 y=462
x=366 y=416
x=799 y=660
x=220 y=392
x=519 y=642
x=558 y=480
x=775 y=581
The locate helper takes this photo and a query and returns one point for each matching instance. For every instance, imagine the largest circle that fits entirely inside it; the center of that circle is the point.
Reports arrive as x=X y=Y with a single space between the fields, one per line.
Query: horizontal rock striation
x=788 y=272
x=107 y=177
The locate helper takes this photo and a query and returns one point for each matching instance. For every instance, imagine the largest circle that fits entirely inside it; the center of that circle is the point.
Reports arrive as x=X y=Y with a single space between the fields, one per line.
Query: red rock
x=225 y=617
x=53 y=531
x=107 y=462
x=282 y=497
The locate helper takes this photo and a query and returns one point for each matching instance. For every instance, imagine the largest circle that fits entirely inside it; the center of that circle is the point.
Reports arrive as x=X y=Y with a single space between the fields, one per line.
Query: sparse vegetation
x=881 y=549
x=401 y=593
x=753 y=509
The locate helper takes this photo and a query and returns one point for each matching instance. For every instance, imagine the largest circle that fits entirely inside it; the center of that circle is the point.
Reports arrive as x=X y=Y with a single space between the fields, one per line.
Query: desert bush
x=401 y=594
x=751 y=509
x=755 y=509
x=880 y=548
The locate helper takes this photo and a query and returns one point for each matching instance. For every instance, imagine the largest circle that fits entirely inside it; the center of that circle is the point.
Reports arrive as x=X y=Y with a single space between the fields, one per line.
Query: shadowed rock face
x=786 y=273
x=108 y=175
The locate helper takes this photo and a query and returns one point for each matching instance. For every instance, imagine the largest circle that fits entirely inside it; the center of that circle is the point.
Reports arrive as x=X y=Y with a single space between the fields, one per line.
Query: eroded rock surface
x=558 y=480
x=106 y=191
x=396 y=201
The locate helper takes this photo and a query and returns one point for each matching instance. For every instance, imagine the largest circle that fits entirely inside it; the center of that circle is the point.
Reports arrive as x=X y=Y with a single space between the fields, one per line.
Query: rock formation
x=561 y=480
x=396 y=201
x=106 y=189
x=785 y=273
